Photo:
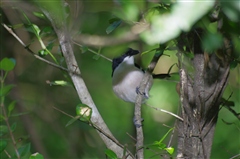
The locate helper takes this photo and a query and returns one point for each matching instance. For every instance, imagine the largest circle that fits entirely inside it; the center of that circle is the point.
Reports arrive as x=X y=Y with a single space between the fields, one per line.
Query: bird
x=126 y=77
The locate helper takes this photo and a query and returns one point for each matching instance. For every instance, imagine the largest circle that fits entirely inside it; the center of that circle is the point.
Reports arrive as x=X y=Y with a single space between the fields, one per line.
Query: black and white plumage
x=126 y=77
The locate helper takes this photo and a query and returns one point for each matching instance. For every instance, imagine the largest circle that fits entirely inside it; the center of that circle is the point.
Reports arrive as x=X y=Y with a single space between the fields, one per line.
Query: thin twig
x=235 y=156
x=6 y=118
x=165 y=111
x=131 y=136
x=30 y=51
x=97 y=128
x=9 y=156
x=92 y=51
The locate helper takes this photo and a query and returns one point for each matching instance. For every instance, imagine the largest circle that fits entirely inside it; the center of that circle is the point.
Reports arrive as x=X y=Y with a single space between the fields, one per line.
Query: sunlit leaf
x=36 y=29
x=84 y=111
x=168 y=26
x=55 y=7
x=159 y=145
x=39 y=15
x=42 y=52
x=170 y=150
x=36 y=156
x=231 y=9
x=58 y=83
x=131 y=11
x=3 y=145
x=109 y=153
x=7 y=64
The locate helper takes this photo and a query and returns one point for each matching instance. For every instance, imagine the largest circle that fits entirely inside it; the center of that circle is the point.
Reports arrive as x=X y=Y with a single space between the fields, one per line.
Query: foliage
x=7 y=131
x=108 y=19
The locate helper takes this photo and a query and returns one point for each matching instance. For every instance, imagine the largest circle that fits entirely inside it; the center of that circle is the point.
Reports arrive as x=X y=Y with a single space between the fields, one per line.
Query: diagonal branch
x=59 y=25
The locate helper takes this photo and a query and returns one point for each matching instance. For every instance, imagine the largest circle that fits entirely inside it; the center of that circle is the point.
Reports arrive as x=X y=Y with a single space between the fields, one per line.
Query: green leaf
x=24 y=150
x=233 y=64
x=170 y=150
x=6 y=89
x=168 y=26
x=19 y=114
x=3 y=145
x=113 y=25
x=46 y=31
x=36 y=156
x=83 y=49
x=189 y=55
x=50 y=45
x=169 y=70
x=148 y=51
x=211 y=42
x=39 y=15
x=11 y=107
x=2 y=117
x=3 y=130
x=160 y=145
x=110 y=154
x=36 y=29
x=96 y=57
x=58 y=83
x=84 y=111
x=72 y=120
x=55 y=7
x=7 y=64
x=13 y=126
x=29 y=28
x=161 y=140
x=42 y=52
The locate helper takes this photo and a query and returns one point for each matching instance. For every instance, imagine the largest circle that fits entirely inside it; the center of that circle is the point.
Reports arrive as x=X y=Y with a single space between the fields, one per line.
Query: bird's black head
x=116 y=61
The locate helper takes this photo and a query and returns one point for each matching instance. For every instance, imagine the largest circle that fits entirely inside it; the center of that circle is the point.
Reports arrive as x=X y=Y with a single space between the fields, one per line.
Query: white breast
x=126 y=78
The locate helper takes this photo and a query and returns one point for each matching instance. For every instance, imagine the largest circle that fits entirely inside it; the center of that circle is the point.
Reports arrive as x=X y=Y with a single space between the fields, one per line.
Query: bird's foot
x=137 y=123
x=141 y=93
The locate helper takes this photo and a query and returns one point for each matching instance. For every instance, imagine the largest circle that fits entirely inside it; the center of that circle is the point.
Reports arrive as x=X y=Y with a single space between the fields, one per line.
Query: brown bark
x=201 y=92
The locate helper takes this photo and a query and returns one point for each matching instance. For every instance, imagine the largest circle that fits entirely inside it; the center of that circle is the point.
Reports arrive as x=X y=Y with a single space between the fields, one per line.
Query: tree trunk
x=200 y=93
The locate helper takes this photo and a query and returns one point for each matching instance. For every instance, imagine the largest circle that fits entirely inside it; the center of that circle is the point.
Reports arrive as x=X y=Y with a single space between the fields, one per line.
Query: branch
x=137 y=112
x=165 y=111
x=137 y=115
x=97 y=128
x=58 y=23
x=97 y=40
x=30 y=51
